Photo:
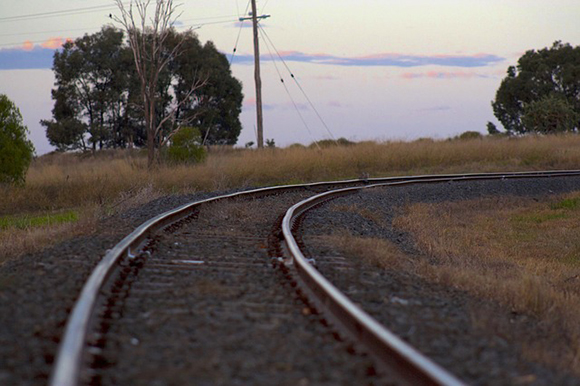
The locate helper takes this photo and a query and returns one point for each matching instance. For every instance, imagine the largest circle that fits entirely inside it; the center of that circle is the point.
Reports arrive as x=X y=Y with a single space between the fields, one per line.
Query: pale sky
x=374 y=69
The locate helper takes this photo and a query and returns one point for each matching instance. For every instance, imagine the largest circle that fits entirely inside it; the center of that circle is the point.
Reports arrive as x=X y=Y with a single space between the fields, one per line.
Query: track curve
x=67 y=369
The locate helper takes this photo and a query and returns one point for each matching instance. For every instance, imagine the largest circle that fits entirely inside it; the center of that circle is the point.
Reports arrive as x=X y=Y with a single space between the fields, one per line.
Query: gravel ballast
x=437 y=320
x=37 y=292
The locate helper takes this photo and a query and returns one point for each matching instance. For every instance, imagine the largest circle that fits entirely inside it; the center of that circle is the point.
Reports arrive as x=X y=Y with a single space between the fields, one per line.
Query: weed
x=30 y=221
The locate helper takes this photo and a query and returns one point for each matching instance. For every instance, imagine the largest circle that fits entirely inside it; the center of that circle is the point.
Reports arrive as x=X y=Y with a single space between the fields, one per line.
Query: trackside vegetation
x=107 y=182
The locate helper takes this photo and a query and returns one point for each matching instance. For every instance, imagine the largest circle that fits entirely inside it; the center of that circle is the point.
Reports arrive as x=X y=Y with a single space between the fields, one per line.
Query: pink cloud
x=249 y=102
x=27 y=46
x=53 y=43
x=443 y=75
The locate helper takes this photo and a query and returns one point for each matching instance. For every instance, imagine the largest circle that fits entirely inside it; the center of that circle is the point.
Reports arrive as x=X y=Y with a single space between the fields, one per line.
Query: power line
x=288 y=92
x=264 y=6
x=77 y=36
x=298 y=84
x=66 y=12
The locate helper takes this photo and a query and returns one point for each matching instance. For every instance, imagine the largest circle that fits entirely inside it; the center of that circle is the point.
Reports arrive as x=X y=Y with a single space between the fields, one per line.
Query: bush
x=16 y=150
x=331 y=142
x=186 y=146
x=469 y=135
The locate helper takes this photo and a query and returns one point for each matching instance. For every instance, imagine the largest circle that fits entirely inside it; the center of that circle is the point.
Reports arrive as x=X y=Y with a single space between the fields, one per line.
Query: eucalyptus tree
x=542 y=93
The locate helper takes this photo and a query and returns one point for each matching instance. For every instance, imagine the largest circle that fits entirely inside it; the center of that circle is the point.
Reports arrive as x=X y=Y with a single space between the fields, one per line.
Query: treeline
x=98 y=102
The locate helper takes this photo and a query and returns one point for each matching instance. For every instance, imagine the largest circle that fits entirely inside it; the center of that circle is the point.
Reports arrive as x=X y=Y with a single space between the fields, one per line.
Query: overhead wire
x=239 y=34
x=231 y=60
x=65 y=12
x=298 y=84
x=195 y=26
x=288 y=91
x=264 y=6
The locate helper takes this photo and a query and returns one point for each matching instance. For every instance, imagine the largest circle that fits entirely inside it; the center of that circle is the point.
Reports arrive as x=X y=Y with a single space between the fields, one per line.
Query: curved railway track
x=132 y=268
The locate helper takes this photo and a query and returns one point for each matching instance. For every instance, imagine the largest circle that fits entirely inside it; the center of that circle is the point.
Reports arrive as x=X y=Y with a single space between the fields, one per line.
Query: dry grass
x=377 y=252
x=17 y=241
x=519 y=252
x=60 y=182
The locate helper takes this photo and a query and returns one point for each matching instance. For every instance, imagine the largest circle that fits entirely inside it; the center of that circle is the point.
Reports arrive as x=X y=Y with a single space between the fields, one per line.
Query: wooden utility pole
x=257 y=78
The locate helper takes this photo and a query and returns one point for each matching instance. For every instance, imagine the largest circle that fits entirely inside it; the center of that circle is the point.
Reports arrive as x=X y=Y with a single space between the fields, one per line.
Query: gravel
x=209 y=322
x=438 y=320
x=37 y=291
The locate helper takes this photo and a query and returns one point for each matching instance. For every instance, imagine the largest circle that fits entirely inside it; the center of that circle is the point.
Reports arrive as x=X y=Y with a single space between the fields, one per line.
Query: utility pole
x=257 y=78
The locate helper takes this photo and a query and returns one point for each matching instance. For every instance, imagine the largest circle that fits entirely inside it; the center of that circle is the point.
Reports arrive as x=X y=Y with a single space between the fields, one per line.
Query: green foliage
x=549 y=115
x=492 y=129
x=542 y=79
x=16 y=150
x=186 y=146
x=214 y=107
x=29 y=221
x=568 y=203
x=469 y=135
x=98 y=102
x=331 y=142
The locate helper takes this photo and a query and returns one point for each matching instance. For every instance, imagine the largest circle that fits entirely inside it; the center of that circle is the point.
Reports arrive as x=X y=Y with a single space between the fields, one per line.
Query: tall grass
x=64 y=181
x=109 y=181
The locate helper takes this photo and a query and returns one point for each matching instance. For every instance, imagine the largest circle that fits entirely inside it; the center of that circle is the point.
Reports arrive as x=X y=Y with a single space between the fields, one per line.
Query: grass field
x=93 y=186
x=515 y=251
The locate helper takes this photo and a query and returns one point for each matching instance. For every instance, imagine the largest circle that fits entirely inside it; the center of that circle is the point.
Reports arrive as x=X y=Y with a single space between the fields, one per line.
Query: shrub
x=469 y=135
x=186 y=146
x=331 y=142
x=16 y=150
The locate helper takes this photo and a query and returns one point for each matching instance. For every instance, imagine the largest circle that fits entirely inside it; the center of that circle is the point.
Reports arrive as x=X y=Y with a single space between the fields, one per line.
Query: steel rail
x=67 y=368
x=409 y=366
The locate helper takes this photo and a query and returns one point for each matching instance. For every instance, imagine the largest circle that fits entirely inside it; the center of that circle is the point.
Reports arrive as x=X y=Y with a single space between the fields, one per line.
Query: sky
x=364 y=69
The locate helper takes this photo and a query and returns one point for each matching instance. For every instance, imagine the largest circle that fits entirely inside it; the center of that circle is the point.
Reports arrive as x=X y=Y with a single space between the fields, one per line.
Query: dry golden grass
x=519 y=252
x=70 y=181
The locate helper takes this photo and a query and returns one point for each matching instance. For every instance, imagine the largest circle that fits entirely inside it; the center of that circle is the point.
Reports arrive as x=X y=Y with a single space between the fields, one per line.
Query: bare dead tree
x=148 y=38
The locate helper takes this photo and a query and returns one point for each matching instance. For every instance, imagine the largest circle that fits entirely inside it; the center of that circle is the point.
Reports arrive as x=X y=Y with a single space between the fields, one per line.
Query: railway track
x=168 y=274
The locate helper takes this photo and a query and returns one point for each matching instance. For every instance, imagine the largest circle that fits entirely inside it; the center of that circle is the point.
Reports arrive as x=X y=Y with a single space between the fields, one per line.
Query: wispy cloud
x=250 y=104
x=30 y=55
x=53 y=43
x=26 y=58
x=434 y=109
x=443 y=75
x=386 y=59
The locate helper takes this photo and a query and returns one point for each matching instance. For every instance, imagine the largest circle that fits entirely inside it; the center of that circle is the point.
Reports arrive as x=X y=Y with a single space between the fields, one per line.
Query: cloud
x=434 y=109
x=53 y=43
x=26 y=57
x=443 y=75
x=239 y=24
x=28 y=46
x=336 y=104
x=30 y=55
x=250 y=103
x=386 y=59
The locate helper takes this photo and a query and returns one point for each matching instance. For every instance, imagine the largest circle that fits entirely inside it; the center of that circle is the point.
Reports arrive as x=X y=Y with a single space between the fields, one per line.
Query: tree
x=16 y=150
x=550 y=115
x=98 y=101
x=216 y=105
x=551 y=74
x=93 y=91
x=152 y=54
